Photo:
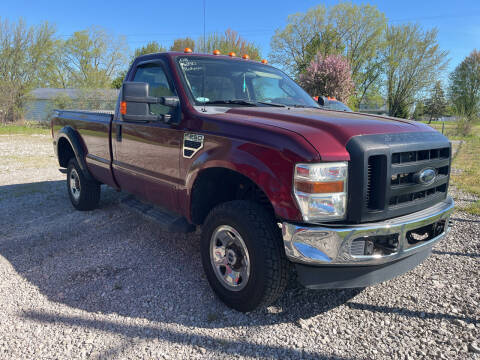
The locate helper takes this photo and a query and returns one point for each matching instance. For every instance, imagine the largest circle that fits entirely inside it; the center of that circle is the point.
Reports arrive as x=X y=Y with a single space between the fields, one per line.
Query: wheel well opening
x=65 y=152
x=218 y=185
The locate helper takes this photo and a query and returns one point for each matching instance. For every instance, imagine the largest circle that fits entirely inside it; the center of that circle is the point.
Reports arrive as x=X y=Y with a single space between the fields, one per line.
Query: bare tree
x=292 y=44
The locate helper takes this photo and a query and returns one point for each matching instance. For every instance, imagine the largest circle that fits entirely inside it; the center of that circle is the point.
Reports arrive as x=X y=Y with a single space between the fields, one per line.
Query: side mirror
x=321 y=100
x=136 y=103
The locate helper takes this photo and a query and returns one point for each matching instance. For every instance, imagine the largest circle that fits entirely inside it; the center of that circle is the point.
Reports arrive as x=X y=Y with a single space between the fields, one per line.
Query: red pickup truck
x=276 y=184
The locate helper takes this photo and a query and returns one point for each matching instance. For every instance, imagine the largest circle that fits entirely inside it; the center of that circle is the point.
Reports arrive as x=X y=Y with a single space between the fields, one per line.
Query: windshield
x=240 y=83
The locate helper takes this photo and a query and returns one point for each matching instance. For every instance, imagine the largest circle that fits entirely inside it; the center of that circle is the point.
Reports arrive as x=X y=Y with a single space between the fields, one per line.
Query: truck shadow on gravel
x=228 y=347
x=113 y=261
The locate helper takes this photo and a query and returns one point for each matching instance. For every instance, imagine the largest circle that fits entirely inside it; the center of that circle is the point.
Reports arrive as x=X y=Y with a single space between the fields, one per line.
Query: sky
x=141 y=21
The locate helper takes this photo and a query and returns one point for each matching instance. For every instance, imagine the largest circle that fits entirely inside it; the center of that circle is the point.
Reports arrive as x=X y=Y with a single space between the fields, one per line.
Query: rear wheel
x=84 y=194
x=243 y=255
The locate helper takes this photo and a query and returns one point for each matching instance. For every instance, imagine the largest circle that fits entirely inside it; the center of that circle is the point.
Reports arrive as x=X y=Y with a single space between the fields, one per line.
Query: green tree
x=403 y=111
x=419 y=111
x=26 y=58
x=413 y=61
x=324 y=43
x=118 y=81
x=361 y=29
x=464 y=89
x=151 y=48
x=355 y=31
x=229 y=41
x=181 y=43
x=436 y=105
x=92 y=58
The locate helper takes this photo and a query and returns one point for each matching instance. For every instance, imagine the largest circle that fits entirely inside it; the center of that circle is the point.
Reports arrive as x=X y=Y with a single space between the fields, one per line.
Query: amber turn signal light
x=246 y=57
x=319 y=187
x=216 y=52
x=187 y=50
x=123 y=108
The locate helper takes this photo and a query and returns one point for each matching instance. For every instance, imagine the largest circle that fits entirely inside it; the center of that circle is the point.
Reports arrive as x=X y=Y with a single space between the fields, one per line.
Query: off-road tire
x=268 y=264
x=89 y=193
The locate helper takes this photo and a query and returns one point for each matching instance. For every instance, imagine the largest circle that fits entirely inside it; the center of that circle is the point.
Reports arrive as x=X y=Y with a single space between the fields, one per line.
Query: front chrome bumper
x=332 y=244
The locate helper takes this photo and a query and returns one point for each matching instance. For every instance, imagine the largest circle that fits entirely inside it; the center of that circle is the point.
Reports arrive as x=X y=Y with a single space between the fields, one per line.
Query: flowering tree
x=328 y=76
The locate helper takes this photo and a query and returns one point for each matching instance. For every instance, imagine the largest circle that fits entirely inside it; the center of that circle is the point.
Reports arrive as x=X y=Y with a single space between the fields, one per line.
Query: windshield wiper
x=303 y=106
x=243 y=102
x=271 y=104
x=234 y=101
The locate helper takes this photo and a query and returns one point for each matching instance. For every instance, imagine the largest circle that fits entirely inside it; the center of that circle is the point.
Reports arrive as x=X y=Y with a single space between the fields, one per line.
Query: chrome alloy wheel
x=229 y=258
x=74 y=182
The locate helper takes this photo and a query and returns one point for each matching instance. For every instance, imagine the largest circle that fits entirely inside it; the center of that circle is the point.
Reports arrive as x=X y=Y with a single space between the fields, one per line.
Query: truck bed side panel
x=94 y=130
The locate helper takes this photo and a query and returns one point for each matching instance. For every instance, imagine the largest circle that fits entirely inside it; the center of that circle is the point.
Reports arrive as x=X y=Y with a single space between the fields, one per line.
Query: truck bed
x=93 y=129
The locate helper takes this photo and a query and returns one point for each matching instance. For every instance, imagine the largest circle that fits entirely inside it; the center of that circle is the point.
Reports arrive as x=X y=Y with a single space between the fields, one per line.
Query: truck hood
x=327 y=131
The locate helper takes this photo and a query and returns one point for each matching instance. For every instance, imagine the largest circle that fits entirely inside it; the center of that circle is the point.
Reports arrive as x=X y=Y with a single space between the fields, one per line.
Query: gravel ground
x=110 y=284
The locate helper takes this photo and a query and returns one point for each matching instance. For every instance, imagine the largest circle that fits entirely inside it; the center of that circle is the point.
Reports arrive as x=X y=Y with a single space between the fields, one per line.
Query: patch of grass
x=473 y=208
x=27 y=128
x=450 y=129
x=467 y=160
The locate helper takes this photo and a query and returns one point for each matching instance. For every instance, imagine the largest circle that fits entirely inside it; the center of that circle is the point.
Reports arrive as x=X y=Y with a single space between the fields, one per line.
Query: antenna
x=204 y=37
x=204 y=66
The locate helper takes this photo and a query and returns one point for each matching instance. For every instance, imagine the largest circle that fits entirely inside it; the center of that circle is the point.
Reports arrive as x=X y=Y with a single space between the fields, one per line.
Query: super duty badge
x=192 y=143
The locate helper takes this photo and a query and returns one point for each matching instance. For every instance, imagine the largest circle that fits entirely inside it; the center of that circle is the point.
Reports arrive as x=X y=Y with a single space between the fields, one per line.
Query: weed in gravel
x=117 y=286
x=211 y=317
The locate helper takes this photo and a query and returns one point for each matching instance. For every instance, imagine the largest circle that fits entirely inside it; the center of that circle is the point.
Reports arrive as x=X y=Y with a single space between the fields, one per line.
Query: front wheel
x=243 y=256
x=84 y=194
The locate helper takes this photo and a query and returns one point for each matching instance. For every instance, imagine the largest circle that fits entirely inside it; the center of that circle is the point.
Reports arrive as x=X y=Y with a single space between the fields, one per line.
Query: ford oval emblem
x=426 y=176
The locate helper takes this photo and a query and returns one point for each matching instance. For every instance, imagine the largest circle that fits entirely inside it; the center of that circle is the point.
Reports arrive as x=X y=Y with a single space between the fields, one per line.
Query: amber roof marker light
x=187 y=50
x=245 y=57
x=232 y=54
x=264 y=61
x=216 y=52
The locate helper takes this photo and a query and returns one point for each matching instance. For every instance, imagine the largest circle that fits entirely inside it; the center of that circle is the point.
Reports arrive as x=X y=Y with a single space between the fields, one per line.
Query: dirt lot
x=109 y=284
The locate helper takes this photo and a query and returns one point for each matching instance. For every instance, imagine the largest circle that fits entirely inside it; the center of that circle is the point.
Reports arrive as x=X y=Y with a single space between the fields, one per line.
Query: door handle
x=119 y=132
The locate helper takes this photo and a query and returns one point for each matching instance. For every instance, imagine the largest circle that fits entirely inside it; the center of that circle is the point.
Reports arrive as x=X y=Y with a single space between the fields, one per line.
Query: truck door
x=146 y=154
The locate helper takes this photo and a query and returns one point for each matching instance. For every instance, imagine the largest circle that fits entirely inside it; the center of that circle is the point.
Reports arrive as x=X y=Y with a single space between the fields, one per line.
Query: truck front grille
x=386 y=178
x=402 y=187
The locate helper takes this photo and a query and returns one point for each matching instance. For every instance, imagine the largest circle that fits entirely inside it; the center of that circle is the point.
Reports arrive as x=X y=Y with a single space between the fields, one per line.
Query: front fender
x=269 y=169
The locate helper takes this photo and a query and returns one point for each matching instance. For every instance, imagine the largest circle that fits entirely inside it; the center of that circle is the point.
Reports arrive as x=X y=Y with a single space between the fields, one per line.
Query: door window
x=158 y=85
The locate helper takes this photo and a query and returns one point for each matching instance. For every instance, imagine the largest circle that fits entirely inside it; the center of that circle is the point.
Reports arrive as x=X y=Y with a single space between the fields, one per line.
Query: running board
x=167 y=220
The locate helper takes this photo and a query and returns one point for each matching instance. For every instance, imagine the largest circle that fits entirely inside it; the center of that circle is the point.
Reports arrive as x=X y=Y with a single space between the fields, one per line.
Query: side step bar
x=167 y=220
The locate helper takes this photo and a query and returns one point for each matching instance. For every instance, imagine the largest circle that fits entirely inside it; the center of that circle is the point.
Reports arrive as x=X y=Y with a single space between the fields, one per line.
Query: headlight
x=321 y=190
